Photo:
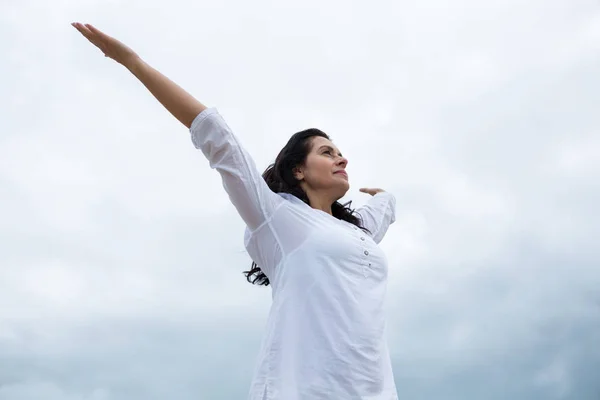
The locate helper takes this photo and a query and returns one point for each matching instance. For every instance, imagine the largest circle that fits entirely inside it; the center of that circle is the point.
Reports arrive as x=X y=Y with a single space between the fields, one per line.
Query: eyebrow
x=330 y=148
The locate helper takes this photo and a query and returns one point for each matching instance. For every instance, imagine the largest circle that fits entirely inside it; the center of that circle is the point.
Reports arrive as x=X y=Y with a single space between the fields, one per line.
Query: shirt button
x=369 y=264
x=362 y=238
x=366 y=253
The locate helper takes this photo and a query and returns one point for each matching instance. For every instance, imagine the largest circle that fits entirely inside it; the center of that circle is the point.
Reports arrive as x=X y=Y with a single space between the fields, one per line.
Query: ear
x=298 y=174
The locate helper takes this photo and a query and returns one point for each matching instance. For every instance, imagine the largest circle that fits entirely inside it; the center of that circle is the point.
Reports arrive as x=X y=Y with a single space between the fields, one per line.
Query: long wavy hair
x=280 y=179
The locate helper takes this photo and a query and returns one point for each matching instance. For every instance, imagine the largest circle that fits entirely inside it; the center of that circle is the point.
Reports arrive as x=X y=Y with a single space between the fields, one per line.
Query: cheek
x=321 y=169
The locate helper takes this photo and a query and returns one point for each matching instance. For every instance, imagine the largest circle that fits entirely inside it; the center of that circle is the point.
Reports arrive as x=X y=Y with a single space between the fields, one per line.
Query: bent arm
x=378 y=214
x=175 y=99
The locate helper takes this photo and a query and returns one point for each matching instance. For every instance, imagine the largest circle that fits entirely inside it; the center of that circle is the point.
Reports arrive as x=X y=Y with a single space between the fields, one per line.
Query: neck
x=320 y=203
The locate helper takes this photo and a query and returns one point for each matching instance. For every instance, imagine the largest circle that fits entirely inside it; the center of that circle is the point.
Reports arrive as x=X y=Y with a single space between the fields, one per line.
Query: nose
x=343 y=161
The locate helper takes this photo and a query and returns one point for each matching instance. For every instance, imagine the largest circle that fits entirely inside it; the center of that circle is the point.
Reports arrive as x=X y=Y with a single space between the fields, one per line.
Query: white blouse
x=325 y=335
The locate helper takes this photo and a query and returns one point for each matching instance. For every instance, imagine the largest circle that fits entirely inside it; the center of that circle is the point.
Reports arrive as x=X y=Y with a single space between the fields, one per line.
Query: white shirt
x=325 y=335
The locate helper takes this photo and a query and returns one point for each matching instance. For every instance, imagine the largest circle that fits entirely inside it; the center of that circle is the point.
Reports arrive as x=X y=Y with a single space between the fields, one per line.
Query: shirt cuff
x=197 y=124
x=203 y=115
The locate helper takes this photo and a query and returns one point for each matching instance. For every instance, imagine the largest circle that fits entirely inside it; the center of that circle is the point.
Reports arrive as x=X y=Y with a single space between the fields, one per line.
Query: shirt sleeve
x=378 y=214
x=251 y=196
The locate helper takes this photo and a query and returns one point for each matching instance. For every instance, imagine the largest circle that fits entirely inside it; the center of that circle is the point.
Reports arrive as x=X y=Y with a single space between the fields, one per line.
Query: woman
x=325 y=336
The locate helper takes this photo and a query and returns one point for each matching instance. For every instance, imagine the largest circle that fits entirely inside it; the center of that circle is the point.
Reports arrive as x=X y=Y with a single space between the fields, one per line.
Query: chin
x=343 y=190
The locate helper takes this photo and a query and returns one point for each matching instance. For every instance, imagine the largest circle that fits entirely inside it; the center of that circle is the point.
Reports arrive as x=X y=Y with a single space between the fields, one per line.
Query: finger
x=371 y=191
x=102 y=38
x=77 y=26
x=97 y=31
x=84 y=31
x=89 y=35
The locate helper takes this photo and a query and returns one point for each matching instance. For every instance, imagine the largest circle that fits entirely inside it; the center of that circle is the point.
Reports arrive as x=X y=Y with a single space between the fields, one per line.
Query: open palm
x=371 y=191
x=110 y=46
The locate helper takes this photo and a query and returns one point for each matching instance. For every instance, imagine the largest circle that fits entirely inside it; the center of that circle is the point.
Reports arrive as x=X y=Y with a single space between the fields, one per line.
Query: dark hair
x=280 y=179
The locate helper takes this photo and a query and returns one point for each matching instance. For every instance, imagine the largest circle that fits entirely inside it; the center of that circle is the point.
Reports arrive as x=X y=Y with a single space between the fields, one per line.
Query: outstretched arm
x=177 y=101
x=248 y=191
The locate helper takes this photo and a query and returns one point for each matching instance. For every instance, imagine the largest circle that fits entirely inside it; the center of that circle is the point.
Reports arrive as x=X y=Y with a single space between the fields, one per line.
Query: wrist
x=133 y=63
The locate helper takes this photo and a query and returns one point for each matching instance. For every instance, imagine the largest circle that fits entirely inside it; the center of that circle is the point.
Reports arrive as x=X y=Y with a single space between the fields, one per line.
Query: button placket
x=365 y=268
x=366 y=265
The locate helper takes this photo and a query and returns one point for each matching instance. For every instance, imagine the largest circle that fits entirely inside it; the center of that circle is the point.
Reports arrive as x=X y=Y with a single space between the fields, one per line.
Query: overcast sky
x=121 y=257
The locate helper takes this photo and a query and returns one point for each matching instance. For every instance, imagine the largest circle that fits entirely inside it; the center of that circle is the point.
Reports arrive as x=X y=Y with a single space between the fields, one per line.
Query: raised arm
x=247 y=190
x=177 y=101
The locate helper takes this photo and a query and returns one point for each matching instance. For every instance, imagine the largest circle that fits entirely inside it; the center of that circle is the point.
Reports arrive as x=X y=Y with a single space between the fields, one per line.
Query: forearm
x=175 y=99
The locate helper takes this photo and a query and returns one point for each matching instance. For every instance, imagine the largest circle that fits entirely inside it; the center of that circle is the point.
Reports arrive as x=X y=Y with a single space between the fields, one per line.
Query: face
x=319 y=174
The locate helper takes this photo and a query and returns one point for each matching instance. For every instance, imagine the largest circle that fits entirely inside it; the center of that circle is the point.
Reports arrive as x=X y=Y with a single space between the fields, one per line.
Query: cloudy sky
x=121 y=257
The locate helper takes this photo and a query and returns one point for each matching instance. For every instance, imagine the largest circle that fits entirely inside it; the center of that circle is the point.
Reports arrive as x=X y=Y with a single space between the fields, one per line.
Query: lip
x=342 y=172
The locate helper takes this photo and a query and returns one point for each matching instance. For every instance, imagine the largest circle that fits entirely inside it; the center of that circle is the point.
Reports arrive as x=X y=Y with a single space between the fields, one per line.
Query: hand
x=110 y=46
x=372 y=192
